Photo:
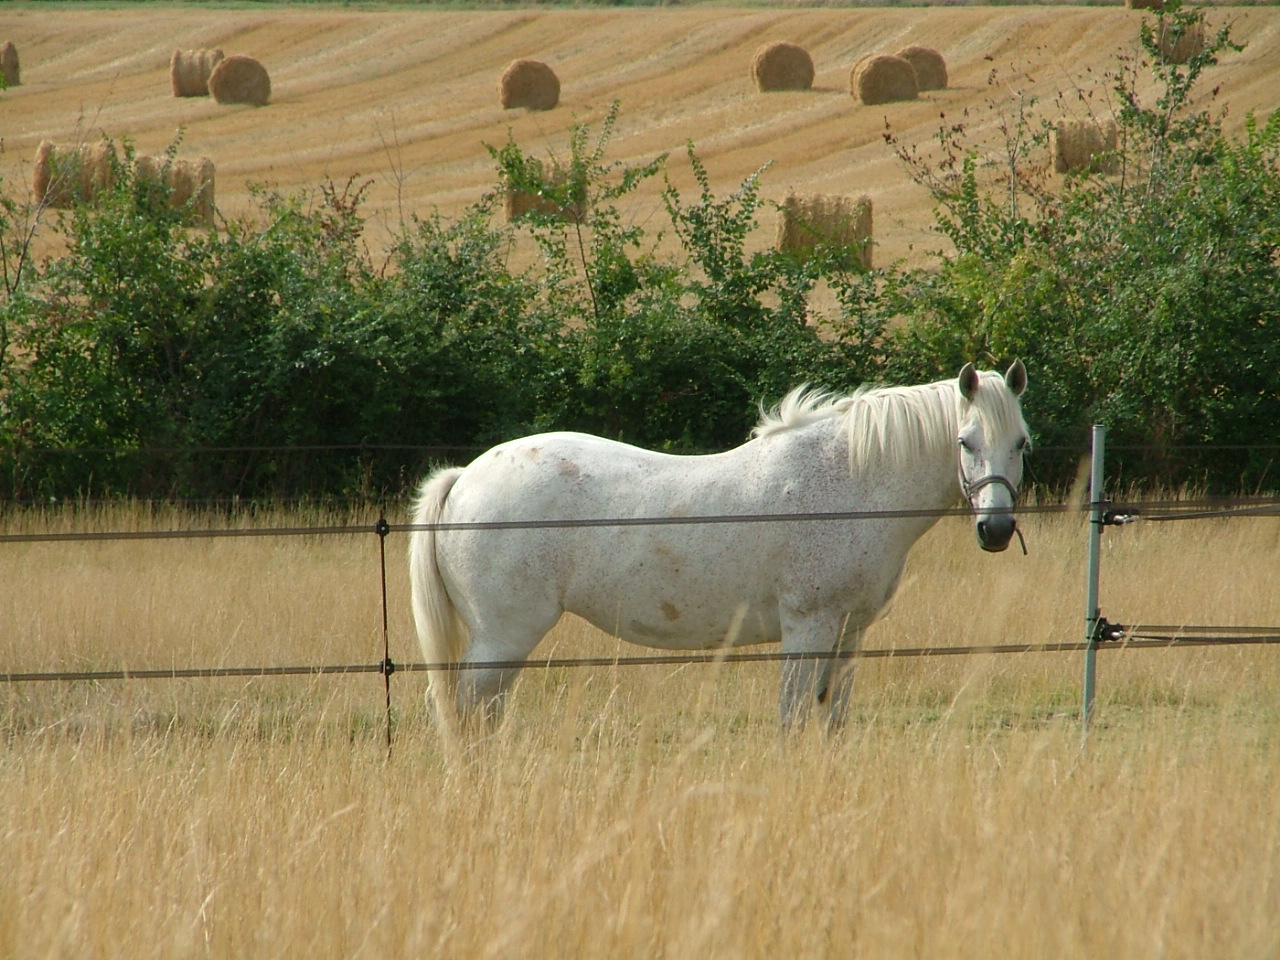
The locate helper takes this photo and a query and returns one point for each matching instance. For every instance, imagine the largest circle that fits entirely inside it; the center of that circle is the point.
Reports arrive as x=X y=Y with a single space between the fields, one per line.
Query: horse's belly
x=682 y=623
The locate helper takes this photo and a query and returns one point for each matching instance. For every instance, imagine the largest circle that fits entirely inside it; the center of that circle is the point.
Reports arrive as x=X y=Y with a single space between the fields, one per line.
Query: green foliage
x=160 y=361
x=594 y=262
x=1143 y=299
x=154 y=359
x=668 y=352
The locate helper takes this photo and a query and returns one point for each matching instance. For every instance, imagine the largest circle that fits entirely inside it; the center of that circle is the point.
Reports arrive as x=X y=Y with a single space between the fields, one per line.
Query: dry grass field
x=407 y=98
x=646 y=811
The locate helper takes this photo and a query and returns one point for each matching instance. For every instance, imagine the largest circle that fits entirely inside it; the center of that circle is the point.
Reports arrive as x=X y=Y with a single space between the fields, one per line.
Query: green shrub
x=678 y=352
x=163 y=362
x=1143 y=300
x=155 y=360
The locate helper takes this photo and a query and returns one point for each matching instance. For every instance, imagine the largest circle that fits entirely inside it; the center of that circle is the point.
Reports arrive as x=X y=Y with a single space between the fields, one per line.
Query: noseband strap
x=991 y=479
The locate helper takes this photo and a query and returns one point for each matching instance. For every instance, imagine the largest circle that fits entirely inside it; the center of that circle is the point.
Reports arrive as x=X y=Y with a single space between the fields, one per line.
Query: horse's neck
x=924 y=480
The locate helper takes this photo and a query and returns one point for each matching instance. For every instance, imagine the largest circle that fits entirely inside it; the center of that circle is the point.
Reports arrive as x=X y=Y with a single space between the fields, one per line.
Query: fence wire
x=1119 y=511
x=1144 y=639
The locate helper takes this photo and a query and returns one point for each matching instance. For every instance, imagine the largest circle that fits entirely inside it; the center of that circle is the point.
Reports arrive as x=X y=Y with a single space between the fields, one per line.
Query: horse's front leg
x=840 y=680
x=806 y=680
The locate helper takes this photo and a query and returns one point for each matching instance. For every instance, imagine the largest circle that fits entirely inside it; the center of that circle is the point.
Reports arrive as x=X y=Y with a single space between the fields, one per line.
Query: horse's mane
x=895 y=424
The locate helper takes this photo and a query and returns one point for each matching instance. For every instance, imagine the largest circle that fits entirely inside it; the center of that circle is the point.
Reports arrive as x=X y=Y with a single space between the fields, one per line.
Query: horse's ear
x=969 y=381
x=1016 y=378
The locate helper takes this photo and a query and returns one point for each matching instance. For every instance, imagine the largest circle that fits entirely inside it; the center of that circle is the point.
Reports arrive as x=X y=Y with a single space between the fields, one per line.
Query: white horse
x=488 y=582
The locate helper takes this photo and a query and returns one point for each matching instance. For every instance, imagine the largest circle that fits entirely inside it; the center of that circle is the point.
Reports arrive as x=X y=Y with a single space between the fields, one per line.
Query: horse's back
x=568 y=476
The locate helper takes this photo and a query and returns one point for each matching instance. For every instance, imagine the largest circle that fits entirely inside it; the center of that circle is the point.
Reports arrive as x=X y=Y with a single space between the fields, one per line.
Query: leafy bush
x=156 y=360
x=1143 y=300
x=672 y=353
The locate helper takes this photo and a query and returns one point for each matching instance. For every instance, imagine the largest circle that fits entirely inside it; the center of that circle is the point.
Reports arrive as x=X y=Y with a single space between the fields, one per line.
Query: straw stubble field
x=648 y=811
x=407 y=98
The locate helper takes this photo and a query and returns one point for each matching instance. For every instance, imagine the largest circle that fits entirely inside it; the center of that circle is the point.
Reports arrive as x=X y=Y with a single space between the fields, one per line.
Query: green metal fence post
x=1092 y=611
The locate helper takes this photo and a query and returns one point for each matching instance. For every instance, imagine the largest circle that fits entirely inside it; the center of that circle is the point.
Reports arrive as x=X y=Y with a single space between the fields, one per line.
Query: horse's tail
x=441 y=632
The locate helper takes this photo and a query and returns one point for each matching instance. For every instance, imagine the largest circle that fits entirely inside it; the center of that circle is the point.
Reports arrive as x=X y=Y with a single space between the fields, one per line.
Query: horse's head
x=992 y=438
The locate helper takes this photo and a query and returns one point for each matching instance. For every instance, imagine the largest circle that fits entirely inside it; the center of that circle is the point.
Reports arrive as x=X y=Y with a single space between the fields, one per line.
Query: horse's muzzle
x=995 y=530
x=994 y=533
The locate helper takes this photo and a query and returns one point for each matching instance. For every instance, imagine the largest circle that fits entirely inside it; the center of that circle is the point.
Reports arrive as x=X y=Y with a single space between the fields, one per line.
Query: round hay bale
x=530 y=84
x=782 y=66
x=518 y=203
x=189 y=71
x=843 y=225
x=193 y=184
x=883 y=79
x=1182 y=49
x=544 y=193
x=930 y=67
x=240 y=79
x=9 y=68
x=1085 y=145
x=43 y=184
x=188 y=183
x=64 y=177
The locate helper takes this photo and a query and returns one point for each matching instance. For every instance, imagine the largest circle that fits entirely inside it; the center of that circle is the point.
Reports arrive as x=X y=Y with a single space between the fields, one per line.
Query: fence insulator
x=1105 y=631
x=1116 y=518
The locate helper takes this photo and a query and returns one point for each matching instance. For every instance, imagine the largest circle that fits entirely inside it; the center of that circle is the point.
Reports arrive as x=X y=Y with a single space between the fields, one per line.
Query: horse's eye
x=1024 y=445
x=966 y=445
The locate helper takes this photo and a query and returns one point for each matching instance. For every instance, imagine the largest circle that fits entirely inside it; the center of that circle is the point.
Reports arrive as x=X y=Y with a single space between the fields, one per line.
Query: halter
x=993 y=479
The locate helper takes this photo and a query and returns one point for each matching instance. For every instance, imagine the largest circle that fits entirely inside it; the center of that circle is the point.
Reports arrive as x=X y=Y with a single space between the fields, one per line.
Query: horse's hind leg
x=494 y=659
x=482 y=691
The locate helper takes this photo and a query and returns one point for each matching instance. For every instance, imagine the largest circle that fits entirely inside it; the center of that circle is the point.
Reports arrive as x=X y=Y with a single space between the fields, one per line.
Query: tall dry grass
x=636 y=811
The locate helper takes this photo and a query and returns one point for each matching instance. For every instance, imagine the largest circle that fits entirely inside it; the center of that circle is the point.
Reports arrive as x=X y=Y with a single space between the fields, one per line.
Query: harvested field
x=406 y=97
